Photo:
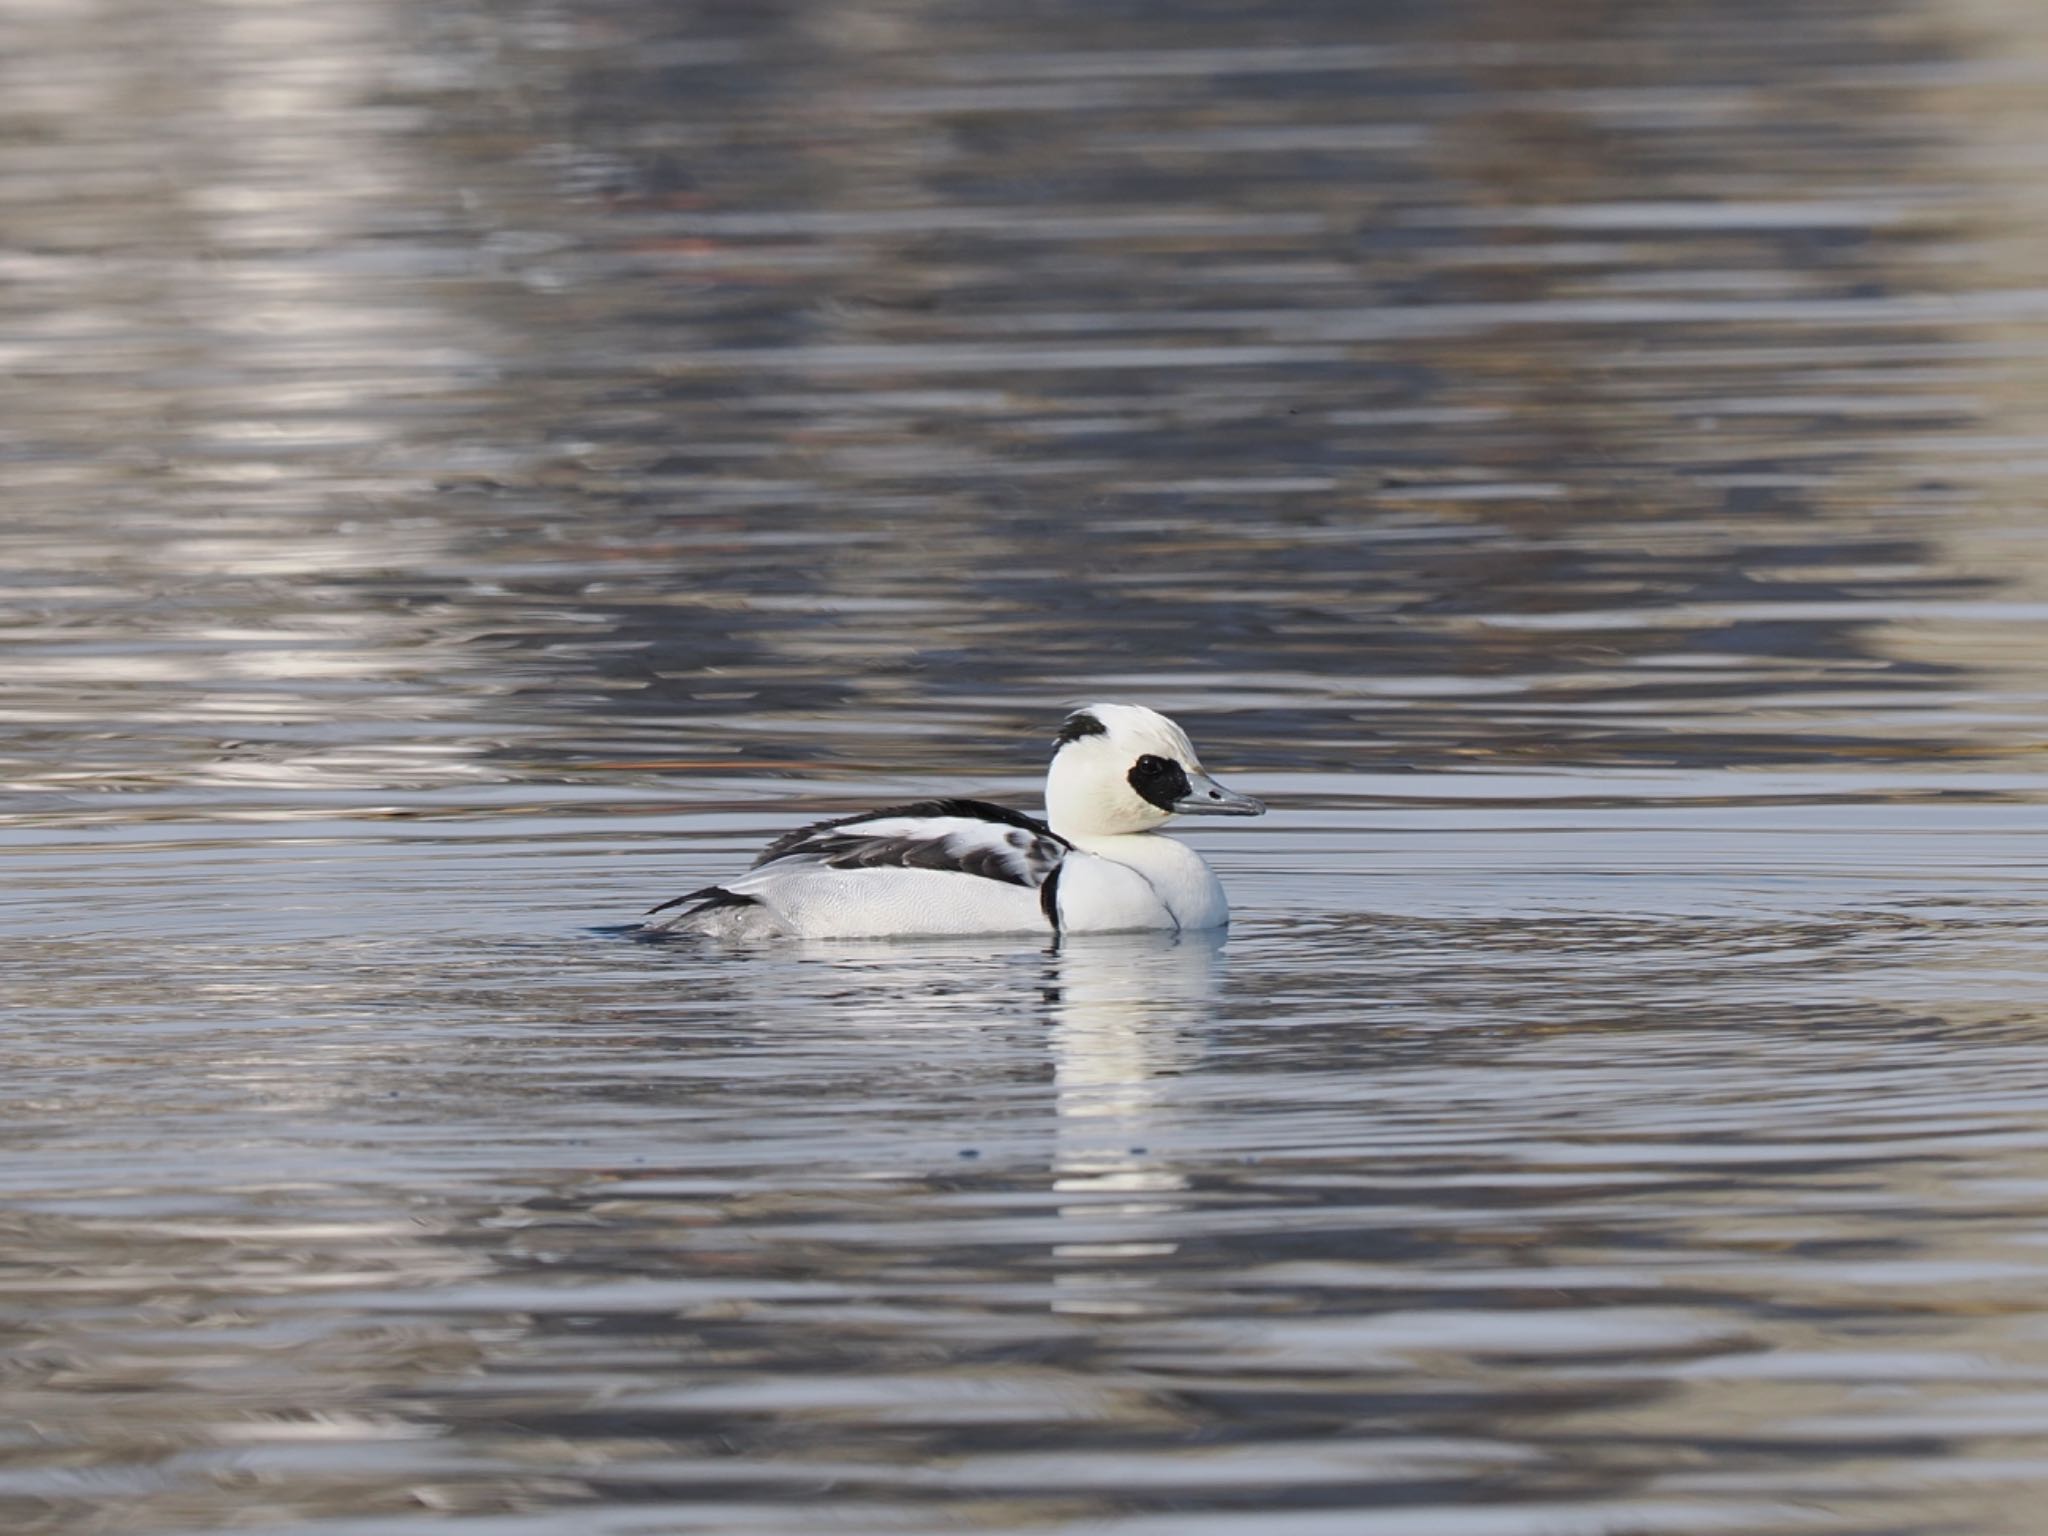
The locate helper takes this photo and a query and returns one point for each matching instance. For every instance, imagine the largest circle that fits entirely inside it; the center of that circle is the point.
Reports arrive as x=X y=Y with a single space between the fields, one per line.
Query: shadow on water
x=477 y=470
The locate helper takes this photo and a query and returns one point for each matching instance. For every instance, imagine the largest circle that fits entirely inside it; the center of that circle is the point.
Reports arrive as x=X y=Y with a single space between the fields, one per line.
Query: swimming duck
x=1096 y=864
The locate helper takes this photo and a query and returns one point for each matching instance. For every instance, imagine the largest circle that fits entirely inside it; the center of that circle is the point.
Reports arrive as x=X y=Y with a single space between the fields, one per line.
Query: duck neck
x=1109 y=844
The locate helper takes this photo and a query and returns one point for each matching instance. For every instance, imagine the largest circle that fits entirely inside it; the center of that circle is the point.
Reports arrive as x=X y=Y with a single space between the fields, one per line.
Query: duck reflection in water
x=1124 y=1016
x=1129 y=1018
x=953 y=1041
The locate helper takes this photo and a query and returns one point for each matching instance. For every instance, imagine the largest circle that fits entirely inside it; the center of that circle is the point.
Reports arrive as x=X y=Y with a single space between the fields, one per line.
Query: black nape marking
x=712 y=896
x=1080 y=723
x=1049 y=896
x=1159 y=780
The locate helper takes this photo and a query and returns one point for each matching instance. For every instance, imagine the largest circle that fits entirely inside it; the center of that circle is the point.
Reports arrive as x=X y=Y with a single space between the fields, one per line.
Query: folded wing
x=968 y=837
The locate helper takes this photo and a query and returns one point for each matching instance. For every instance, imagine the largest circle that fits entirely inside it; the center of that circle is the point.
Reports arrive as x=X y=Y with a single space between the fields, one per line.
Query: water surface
x=474 y=471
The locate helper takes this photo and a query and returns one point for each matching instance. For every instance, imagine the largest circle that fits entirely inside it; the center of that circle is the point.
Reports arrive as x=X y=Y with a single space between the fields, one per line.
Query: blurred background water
x=475 y=468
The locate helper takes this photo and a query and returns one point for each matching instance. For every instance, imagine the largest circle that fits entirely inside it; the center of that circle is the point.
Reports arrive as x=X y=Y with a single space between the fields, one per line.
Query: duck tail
x=714 y=909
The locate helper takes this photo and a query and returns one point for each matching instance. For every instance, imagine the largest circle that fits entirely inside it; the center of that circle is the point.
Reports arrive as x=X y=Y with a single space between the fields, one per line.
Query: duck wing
x=969 y=837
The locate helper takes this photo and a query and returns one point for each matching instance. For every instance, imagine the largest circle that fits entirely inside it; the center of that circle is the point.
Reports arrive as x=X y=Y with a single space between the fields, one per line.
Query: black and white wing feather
x=968 y=837
x=796 y=884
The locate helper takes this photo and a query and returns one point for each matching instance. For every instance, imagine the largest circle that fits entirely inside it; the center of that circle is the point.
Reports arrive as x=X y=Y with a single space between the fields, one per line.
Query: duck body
x=961 y=867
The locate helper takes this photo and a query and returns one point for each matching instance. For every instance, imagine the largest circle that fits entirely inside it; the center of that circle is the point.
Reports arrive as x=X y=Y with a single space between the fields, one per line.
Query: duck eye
x=1159 y=781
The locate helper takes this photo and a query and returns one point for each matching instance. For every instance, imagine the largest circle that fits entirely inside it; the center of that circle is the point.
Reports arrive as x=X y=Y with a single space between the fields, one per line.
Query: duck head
x=1120 y=768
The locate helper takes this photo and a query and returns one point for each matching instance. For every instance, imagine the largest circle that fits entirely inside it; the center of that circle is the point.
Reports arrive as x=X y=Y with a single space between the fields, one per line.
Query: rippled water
x=475 y=470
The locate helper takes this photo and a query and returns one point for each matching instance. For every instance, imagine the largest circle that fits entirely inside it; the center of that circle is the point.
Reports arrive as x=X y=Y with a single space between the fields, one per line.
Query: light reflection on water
x=476 y=471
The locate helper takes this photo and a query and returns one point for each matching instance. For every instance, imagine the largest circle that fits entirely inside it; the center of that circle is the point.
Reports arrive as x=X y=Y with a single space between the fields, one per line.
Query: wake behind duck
x=1096 y=864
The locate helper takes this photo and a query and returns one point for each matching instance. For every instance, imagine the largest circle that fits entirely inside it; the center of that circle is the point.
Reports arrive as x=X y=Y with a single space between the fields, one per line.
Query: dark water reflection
x=473 y=470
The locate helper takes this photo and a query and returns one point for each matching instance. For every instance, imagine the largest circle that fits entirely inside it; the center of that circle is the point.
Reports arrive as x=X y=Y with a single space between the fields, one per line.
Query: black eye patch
x=1159 y=780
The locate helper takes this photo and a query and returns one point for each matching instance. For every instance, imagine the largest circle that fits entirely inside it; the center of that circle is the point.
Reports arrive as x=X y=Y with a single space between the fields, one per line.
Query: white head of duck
x=1119 y=769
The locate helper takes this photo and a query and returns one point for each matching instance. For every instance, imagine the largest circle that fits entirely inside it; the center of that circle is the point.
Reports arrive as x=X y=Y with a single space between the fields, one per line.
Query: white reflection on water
x=1128 y=1015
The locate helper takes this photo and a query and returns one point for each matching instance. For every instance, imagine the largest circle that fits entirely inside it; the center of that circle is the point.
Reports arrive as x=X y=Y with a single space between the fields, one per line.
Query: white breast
x=1137 y=881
